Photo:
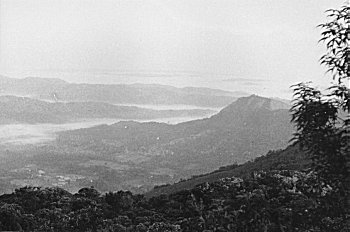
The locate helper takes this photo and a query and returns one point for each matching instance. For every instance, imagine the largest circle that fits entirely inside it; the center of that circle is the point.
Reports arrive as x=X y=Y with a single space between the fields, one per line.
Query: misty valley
x=31 y=156
x=50 y=139
x=19 y=133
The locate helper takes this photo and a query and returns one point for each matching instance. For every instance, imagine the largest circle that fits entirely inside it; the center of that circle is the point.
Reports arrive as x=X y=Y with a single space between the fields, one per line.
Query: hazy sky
x=259 y=46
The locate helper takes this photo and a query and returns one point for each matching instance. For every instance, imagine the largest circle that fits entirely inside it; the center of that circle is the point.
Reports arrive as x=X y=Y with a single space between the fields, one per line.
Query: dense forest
x=267 y=201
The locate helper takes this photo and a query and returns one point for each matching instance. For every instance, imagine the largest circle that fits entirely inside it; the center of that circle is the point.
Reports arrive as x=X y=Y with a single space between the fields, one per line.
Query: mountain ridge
x=59 y=90
x=27 y=110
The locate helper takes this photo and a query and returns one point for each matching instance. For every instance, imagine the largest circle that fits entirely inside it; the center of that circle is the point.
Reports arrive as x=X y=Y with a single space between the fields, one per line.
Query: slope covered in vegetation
x=270 y=201
x=291 y=158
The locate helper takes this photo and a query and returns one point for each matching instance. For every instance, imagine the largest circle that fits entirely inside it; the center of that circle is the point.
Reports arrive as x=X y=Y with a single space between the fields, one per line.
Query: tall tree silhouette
x=322 y=120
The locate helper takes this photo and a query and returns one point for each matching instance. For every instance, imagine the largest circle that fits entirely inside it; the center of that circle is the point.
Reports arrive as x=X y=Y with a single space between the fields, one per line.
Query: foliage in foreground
x=323 y=120
x=269 y=201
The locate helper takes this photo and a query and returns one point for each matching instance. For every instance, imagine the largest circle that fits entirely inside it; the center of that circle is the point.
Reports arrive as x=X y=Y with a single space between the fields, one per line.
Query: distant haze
x=256 y=46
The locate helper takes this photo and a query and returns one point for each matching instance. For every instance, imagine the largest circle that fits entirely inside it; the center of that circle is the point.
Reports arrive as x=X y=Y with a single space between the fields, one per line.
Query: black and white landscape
x=174 y=116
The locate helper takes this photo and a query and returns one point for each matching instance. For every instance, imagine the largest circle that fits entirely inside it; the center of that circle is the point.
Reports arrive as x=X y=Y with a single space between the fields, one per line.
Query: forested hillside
x=291 y=158
x=269 y=201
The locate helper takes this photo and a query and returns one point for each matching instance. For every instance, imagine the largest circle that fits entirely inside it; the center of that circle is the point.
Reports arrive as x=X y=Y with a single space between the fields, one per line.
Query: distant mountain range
x=26 y=110
x=51 y=89
x=247 y=128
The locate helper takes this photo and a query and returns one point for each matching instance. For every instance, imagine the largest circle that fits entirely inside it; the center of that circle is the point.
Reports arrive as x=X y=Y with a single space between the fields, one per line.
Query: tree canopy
x=322 y=119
